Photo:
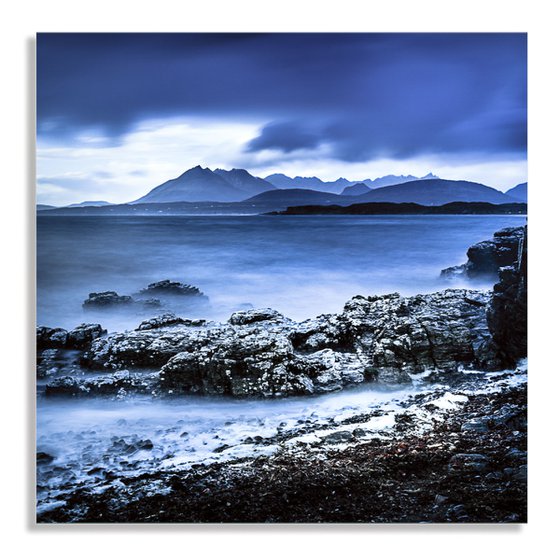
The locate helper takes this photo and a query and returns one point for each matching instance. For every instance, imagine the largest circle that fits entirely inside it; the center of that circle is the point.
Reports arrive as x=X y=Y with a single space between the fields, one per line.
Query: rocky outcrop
x=79 y=338
x=262 y=353
x=166 y=320
x=170 y=288
x=106 y=299
x=117 y=384
x=507 y=310
x=487 y=257
x=162 y=289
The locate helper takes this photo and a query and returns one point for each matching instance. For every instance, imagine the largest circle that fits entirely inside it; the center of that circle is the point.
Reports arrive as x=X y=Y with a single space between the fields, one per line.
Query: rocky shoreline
x=455 y=456
x=457 y=453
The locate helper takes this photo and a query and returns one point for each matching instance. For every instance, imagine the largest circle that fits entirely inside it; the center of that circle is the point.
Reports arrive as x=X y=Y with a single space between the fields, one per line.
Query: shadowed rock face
x=170 y=288
x=507 y=311
x=106 y=299
x=487 y=257
x=79 y=338
x=261 y=353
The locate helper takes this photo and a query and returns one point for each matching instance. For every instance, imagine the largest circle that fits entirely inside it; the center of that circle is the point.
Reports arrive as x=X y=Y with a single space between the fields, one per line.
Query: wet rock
x=458 y=513
x=468 y=463
x=475 y=425
x=338 y=437
x=106 y=299
x=120 y=445
x=516 y=455
x=171 y=288
x=47 y=362
x=83 y=335
x=487 y=257
x=250 y=362
x=43 y=458
x=116 y=384
x=48 y=337
x=507 y=311
x=250 y=316
x=167 y=320
x=261 y=353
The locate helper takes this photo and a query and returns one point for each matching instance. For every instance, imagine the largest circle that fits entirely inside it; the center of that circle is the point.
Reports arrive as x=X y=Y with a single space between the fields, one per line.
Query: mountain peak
x=201 y=184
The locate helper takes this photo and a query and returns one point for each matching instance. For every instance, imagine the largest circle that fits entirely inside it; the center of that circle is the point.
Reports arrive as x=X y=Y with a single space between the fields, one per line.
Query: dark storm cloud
x=286 y=137
x=365 y=95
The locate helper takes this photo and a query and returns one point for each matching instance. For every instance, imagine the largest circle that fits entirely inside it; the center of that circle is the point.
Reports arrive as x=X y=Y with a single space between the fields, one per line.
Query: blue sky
x=118 y=114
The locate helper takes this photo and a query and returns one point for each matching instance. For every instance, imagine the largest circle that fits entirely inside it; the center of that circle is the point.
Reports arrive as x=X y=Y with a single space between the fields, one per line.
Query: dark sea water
x=300 y=265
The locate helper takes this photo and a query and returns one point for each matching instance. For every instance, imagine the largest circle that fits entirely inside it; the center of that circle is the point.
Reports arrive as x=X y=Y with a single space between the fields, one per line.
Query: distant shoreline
x=225 y=209
x=409 y=208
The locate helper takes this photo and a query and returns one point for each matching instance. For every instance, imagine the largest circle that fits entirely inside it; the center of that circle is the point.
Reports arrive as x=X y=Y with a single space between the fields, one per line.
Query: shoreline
x=450 y=456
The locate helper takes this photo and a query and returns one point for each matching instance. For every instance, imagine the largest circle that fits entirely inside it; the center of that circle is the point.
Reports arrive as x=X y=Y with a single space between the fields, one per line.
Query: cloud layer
x=308 y=99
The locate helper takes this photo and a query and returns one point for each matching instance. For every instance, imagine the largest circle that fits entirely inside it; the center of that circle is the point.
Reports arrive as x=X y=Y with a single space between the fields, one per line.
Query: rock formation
x=487 y=257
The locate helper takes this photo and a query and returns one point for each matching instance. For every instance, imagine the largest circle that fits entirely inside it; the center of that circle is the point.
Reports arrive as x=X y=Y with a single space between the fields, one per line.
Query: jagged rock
x=259 y=352
x=250 y=316
x=166 y=320
x=83 y=335
x=507 y=311
x=48 y=337
x=170 y=288
x=250 y=362
x=78 y=338
x=117 y=383
x=106 y=299
x=487 y=257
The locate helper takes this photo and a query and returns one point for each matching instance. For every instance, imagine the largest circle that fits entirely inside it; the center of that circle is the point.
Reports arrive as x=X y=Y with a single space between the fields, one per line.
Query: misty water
x=300 y=265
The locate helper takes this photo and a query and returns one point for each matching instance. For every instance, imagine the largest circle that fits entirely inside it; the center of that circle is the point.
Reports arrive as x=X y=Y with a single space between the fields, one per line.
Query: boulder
x=106 y=299
x=487 y=257
x=83 y=335
x=48 y=337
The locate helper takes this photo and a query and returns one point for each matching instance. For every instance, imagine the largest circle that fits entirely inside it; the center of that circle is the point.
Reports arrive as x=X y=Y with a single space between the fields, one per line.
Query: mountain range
x=201 y=184
x=519 y=192
x=204 y=190
x=337 y=187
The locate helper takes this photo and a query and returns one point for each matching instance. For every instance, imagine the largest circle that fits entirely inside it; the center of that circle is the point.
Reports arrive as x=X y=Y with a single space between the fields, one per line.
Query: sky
x=118 y=114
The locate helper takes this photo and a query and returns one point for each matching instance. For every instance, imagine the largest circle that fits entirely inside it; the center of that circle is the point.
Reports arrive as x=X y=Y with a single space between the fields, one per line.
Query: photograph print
x=281 y=278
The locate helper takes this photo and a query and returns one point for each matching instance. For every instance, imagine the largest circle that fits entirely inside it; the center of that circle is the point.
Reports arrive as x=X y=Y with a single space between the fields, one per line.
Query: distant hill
x=373 y=208
x=202 y=184
x=519 y=192
x=282 y=198
x=388 y=180
x=355 y=190
x=40 y=207
x=337 y=187
x=311 y=183
x=434 y=192
x=89 y=203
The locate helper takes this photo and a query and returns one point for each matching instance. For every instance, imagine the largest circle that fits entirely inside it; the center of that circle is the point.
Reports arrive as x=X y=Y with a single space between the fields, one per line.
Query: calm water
x=300 y=265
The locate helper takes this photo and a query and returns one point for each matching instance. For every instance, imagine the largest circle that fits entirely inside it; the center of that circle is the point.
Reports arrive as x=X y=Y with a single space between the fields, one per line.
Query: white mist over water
x=302 y=266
